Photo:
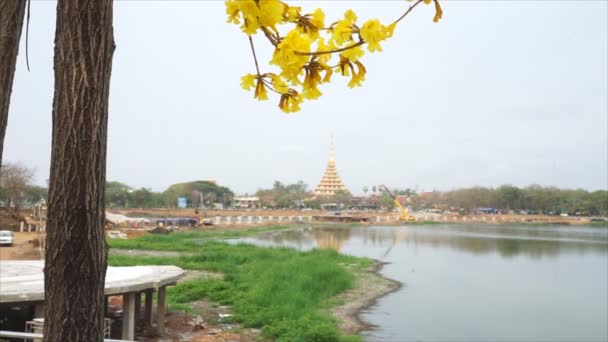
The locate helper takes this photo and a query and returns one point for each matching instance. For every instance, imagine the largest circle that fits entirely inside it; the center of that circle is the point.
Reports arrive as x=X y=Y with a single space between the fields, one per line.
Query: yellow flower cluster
x=304 y=54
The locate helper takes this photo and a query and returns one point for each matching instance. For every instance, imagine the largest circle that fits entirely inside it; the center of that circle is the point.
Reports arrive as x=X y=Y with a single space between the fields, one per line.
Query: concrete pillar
x=229 y=219
x=21 y=226
x=128 y=316
x=137 y=306
x=161 y=310
x=250 y=219
x=148 y=309
x=280 y=218
x=218 y=219
x=39 y=310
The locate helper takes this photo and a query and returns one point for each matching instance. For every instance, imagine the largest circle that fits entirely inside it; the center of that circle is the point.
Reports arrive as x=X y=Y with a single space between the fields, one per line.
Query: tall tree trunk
x=11 y=22
x=76 y=251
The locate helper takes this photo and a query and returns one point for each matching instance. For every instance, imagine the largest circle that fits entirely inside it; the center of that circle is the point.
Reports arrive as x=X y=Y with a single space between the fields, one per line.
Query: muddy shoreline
x=370 y=286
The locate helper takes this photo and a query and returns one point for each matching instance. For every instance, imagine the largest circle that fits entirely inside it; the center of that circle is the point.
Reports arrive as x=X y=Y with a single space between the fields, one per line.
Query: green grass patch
x=285 y=292
x=186 y=241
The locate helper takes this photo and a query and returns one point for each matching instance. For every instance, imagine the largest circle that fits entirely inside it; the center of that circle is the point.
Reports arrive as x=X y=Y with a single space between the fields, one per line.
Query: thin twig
x=271 y=86
x=255 y=58
x=408 y=11
x=318 y=53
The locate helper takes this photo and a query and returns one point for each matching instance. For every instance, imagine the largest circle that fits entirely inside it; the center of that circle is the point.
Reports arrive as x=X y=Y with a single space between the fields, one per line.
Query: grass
x=186 y=241
x=285 y=292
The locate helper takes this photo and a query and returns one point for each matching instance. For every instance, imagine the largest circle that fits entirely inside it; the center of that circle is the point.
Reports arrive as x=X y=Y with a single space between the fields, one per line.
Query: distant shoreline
x=273 y=217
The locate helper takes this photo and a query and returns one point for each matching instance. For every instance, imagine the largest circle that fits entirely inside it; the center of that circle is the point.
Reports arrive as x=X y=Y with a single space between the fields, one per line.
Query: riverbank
x=287 y=294
x=370 y=286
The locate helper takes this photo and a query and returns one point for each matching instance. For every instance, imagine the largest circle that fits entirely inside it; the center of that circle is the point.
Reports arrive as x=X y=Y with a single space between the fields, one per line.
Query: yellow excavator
x=403 y=214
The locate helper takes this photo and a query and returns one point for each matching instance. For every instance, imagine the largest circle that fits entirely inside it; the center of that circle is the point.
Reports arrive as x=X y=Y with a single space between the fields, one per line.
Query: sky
x=498 y=92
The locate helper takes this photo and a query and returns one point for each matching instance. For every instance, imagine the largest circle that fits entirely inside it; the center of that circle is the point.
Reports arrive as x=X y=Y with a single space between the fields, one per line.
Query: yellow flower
x=233 y=11
x=351 y=16
x=358 y=77
x=248 y=81
x=321 y=46
x=312 y=79
x=285 y=57
x=341 y=32
x=438 y=12
x=278 y=83
x=290 y=101
x=293 y=13
x=260 y=90
x=353 y=54
x=270 y=13
x=317 y=18
x=373 y=32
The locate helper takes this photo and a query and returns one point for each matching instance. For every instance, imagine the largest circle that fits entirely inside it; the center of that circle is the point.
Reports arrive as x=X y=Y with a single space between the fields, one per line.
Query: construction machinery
x=403 y=214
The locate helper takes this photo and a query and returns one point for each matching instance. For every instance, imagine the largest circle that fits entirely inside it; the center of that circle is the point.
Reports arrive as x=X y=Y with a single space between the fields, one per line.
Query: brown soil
x=26 y=246
x=179 y=326
x=10 y=219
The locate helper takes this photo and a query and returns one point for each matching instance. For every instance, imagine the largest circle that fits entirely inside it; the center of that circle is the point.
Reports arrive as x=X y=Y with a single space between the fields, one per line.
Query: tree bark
x=76 y=252
x=11 y=22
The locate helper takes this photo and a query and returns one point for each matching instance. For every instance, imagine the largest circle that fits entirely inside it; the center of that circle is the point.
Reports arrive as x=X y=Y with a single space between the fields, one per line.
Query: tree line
x=534 y=199
x=197 y=193
x=18 y=191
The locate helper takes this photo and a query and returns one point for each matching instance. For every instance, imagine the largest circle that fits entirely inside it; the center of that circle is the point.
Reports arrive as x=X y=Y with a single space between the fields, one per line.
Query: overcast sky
x=511 y=92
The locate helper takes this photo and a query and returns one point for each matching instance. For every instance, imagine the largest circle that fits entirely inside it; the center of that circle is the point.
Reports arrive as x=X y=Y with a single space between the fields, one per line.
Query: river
x=477 y=282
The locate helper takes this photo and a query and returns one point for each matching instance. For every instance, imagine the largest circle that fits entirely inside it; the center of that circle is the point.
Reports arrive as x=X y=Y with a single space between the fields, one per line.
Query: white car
x=6 y=238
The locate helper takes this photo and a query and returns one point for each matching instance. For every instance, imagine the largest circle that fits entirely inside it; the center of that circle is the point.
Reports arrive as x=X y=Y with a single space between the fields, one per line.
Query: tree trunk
x=11 y=22
x=76 y=253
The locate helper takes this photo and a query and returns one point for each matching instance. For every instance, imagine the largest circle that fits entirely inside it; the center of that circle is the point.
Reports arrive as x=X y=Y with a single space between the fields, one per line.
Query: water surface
x=478 y=283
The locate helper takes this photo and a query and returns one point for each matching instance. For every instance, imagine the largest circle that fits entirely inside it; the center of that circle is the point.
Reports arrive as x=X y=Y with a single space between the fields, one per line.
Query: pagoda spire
x=330 y=182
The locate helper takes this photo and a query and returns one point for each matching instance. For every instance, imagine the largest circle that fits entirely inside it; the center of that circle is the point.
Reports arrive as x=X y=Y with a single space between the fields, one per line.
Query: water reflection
x=534 y=242
x=478 y=283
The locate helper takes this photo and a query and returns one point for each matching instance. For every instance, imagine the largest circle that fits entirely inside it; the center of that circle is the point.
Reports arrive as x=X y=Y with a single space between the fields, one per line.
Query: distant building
x=330 y=182
x=244 y=202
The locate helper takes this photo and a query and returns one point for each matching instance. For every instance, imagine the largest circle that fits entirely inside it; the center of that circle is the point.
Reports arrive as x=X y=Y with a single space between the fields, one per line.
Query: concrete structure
x=22 y=283
x=246 y=202
x=331 y=182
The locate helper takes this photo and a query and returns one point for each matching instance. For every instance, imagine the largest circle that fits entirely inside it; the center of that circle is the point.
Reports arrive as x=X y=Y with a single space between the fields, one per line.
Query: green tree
x=117 y=194
x=15 y=181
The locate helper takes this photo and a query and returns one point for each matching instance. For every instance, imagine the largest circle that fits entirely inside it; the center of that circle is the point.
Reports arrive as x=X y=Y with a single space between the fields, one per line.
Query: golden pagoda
x=331 y=182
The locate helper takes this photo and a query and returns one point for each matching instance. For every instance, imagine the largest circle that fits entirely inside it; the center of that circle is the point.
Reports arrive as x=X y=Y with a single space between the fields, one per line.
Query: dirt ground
x=26 y=246
x=369 y=286
x=210 y=322
x=11 y=220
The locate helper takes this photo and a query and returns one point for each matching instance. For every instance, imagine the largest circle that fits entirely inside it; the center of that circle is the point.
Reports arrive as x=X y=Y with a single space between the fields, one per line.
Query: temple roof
x=331 y=182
